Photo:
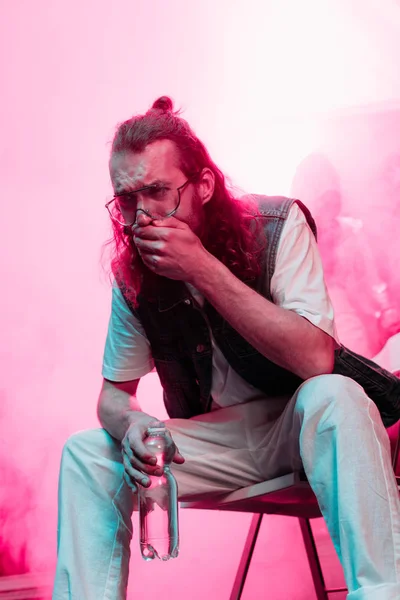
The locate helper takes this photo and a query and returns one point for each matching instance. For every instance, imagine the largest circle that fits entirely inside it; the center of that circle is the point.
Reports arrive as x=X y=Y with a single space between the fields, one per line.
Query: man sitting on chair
x=226 y=298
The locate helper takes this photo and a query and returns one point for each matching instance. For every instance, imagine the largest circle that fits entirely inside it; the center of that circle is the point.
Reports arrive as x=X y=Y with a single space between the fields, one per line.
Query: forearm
x=117 y=409
x=281 y=335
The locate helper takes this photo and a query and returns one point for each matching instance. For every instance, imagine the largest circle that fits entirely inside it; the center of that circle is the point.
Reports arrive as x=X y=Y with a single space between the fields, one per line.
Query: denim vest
x=178 y=330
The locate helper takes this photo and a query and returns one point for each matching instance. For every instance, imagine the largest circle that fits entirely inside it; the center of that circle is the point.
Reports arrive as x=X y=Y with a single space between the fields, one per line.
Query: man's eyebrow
x=159 y=182
x=156 y=182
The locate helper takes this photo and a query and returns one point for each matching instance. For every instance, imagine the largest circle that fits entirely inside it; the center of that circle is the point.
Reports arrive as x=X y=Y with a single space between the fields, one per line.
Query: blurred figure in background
x=383 y=230
x=356 y=271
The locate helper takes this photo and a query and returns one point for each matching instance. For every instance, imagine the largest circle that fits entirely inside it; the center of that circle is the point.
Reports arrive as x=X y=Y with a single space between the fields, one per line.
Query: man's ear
x=206 y=185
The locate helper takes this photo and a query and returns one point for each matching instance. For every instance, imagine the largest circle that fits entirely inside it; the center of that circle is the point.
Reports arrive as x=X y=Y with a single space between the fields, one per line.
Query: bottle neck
x=160 y=442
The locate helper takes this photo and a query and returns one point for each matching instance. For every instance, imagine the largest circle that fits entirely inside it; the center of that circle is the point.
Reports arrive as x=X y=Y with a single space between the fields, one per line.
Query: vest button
x=187 y=301
x=200 y=348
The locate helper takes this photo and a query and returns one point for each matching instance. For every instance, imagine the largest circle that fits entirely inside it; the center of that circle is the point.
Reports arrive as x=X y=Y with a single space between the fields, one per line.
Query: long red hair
x=233 y=231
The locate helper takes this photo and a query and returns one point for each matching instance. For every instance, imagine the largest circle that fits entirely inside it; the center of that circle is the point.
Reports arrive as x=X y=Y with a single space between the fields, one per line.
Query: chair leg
x=247 y=555
x=313 y=559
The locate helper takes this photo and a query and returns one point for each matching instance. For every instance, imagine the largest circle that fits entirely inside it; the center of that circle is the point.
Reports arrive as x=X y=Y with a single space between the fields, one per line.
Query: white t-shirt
x=297 y=284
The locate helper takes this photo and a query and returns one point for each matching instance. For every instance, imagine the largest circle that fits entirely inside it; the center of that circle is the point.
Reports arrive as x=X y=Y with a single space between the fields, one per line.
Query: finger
x=130 y=482
x=170 y=223
x=149 y=246
x=151 y=261
x=151 y=233
x=135 y=461
x=130 y=451
x=143 y=467
x=159 y=228
x=126 y=448
x=135 y=442
x=134 y=474
x=146 y=259
x=178 y=458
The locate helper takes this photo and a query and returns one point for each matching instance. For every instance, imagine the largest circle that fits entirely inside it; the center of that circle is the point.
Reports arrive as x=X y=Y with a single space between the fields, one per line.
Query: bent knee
x=88 y=441
x=331 y=390
x=331 y=385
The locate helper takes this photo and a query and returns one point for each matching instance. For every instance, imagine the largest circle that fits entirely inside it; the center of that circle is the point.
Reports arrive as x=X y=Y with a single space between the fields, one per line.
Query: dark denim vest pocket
x=181 y=395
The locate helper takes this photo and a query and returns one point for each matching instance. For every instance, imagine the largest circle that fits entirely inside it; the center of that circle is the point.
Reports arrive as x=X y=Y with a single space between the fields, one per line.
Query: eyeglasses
x=123 y=209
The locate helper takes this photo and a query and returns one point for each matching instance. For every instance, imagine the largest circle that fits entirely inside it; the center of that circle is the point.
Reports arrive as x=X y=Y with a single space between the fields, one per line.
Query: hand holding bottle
x=139 y=461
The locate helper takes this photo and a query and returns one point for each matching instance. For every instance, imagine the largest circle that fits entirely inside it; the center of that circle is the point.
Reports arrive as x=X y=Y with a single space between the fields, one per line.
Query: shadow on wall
x=359 y=283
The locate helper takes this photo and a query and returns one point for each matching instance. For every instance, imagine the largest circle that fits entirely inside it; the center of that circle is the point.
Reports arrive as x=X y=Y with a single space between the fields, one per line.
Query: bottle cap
x=155 y=430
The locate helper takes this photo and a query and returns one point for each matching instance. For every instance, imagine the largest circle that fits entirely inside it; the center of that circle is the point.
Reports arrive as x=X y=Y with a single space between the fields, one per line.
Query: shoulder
x=121 y=307
x=271 y=206
x=291 y=210
x=296 y=218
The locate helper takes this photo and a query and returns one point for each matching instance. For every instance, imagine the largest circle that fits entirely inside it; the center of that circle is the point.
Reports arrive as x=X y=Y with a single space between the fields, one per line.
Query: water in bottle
x=158 y=503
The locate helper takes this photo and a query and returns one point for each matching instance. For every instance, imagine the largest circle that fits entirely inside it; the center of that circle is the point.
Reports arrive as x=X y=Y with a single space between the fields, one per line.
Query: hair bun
x=164 y=104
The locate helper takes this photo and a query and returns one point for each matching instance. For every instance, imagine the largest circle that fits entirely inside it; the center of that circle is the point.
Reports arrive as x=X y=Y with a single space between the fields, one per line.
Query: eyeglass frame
x=146 y=212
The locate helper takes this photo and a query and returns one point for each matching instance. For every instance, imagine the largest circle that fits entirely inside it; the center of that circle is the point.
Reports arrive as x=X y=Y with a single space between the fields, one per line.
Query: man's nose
x=142 y=219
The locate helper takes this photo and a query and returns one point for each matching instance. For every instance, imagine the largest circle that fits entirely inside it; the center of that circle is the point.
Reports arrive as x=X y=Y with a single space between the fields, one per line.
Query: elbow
x=101 y=404
x=325 y=365
x=99 y=412
x=323 y=359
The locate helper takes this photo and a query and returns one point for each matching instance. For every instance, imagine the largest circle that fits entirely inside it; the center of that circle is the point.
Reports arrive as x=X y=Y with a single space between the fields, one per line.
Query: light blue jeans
x=329 y=427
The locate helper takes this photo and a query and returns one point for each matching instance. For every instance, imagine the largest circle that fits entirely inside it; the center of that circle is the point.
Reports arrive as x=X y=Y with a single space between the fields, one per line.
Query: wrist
x=205 y=267
x=138 y=417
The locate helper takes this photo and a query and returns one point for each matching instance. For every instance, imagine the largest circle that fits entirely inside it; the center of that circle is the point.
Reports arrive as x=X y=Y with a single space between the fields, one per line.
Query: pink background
x=258 y=82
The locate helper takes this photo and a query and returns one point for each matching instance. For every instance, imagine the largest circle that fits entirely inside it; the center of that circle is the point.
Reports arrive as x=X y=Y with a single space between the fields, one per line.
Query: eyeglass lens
x=159 y=202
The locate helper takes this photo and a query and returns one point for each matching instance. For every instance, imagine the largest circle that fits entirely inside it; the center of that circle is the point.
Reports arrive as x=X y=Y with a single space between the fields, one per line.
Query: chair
x=289 y=495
